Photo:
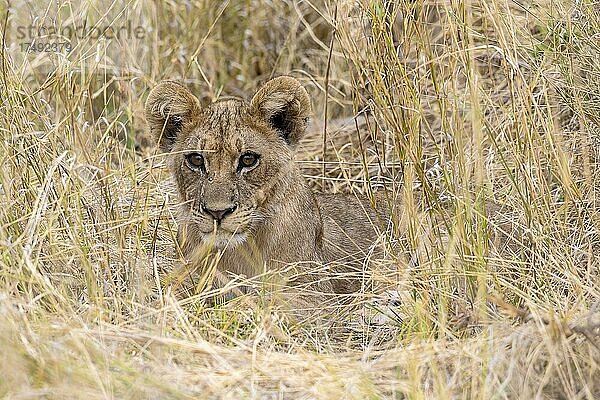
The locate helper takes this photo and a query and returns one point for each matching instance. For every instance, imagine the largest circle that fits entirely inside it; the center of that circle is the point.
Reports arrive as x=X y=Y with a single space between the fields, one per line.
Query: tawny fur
x=277 y=219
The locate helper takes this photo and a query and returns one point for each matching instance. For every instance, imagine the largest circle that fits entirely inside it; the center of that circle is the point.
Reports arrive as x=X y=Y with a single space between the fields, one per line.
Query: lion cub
x=243 y=197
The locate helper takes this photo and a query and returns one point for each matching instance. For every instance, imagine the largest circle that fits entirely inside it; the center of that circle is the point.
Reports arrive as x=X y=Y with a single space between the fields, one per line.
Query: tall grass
x=479 y=120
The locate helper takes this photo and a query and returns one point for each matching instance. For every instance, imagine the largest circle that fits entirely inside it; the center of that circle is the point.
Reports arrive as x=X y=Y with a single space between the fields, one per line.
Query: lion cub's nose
x=218 y=215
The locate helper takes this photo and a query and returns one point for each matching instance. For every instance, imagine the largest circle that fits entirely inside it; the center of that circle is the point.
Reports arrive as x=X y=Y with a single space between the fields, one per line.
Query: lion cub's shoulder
x=352 y=222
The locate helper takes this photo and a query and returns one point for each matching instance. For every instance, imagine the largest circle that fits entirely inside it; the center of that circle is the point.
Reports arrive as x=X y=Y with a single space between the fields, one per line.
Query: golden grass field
x=487 y=113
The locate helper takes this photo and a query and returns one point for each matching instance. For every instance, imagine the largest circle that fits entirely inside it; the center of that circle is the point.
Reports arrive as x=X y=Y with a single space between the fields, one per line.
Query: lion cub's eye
x=195 y=161
x=248 y=160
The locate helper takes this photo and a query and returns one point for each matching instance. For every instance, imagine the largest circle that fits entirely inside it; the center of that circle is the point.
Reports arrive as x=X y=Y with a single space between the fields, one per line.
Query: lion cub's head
x=232 y=160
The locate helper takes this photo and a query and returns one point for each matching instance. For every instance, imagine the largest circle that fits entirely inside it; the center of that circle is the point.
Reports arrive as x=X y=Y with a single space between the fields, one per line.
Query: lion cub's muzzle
x=221 y=213
x=218 y=200
x=221 y=224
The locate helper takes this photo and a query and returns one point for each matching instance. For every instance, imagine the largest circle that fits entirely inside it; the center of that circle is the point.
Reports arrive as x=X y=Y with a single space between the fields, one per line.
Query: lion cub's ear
x=285 y=105
x=169 y=107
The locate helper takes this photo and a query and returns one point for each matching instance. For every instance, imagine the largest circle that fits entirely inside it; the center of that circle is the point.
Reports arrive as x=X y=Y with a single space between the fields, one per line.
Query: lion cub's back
x=351 y=227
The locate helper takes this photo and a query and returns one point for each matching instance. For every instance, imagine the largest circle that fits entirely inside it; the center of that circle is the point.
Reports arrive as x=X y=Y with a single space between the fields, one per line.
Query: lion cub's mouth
x=230 y=232
x=221 y=239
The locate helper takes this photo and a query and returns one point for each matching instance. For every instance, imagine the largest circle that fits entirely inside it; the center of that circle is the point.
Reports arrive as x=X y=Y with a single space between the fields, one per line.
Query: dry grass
x=487 y=111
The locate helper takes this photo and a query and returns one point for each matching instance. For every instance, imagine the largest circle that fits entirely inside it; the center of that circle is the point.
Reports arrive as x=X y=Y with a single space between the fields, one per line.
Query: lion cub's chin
x=223 y=240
